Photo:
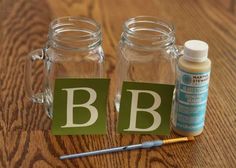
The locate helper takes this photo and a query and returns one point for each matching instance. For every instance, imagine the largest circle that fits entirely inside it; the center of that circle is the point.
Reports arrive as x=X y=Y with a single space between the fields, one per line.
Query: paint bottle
x=193 y=74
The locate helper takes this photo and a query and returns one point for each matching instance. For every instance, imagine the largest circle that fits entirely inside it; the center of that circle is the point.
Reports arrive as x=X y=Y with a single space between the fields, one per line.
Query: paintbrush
x=144 y=145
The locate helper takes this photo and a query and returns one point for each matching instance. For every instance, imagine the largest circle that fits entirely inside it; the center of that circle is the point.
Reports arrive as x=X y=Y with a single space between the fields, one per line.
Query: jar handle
x=33 y=56
x=178 y=50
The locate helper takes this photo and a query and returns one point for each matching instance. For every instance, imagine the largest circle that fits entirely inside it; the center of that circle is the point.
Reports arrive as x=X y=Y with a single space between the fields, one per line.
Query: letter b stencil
x=145 y=108
x=80 y=106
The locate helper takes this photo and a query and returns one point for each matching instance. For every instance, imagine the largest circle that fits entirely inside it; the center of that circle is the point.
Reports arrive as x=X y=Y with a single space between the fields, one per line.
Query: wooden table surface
x=25 y=137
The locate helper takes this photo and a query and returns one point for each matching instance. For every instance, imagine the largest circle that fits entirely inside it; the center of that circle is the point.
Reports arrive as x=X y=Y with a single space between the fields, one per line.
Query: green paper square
x=144 y=101
x=81 y=115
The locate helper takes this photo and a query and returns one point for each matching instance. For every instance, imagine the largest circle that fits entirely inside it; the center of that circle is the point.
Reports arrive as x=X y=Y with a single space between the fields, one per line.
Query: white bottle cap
x=195 y=50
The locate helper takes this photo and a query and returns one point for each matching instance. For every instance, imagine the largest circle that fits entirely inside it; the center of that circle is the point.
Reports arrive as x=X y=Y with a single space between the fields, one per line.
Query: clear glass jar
x=146 y=53
x=73 y=50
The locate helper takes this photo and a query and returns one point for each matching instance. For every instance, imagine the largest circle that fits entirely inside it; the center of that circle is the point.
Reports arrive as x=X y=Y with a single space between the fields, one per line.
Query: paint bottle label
x=191 y=100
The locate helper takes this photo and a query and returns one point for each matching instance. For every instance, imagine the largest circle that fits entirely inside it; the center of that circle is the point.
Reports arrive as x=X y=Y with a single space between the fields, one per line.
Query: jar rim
x=87 y=31
x=148 y=33
x=148 y=19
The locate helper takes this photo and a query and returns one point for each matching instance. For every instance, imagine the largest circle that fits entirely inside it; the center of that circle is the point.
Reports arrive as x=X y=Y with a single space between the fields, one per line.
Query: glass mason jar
x=73 y=50
x=146 y=53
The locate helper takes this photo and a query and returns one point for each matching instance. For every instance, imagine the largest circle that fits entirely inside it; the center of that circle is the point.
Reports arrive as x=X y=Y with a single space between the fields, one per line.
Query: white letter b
x=134 y=109
x=70 y=106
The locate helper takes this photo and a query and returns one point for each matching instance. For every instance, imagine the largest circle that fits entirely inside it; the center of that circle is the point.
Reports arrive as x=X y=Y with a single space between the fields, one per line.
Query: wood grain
x=25 y=138
x=229 y=5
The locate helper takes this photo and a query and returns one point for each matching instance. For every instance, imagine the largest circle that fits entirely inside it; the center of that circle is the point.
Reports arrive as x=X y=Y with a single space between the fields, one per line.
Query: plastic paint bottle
x=193 y=74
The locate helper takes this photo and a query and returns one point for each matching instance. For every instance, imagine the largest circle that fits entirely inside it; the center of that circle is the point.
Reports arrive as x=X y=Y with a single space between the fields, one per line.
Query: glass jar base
x=117 y=102
x=48 y=110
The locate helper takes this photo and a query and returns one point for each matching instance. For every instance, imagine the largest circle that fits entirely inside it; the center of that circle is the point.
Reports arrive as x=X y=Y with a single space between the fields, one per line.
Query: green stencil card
x=145 y=108
x=79 y=106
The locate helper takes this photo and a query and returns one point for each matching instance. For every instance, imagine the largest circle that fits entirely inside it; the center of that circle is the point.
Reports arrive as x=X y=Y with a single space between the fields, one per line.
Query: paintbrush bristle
x=191 y=138
x=176 y=140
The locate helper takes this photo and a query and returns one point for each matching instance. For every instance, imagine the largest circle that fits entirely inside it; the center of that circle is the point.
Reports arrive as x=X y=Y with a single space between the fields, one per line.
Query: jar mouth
x=74 y=32
x=148 y=31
